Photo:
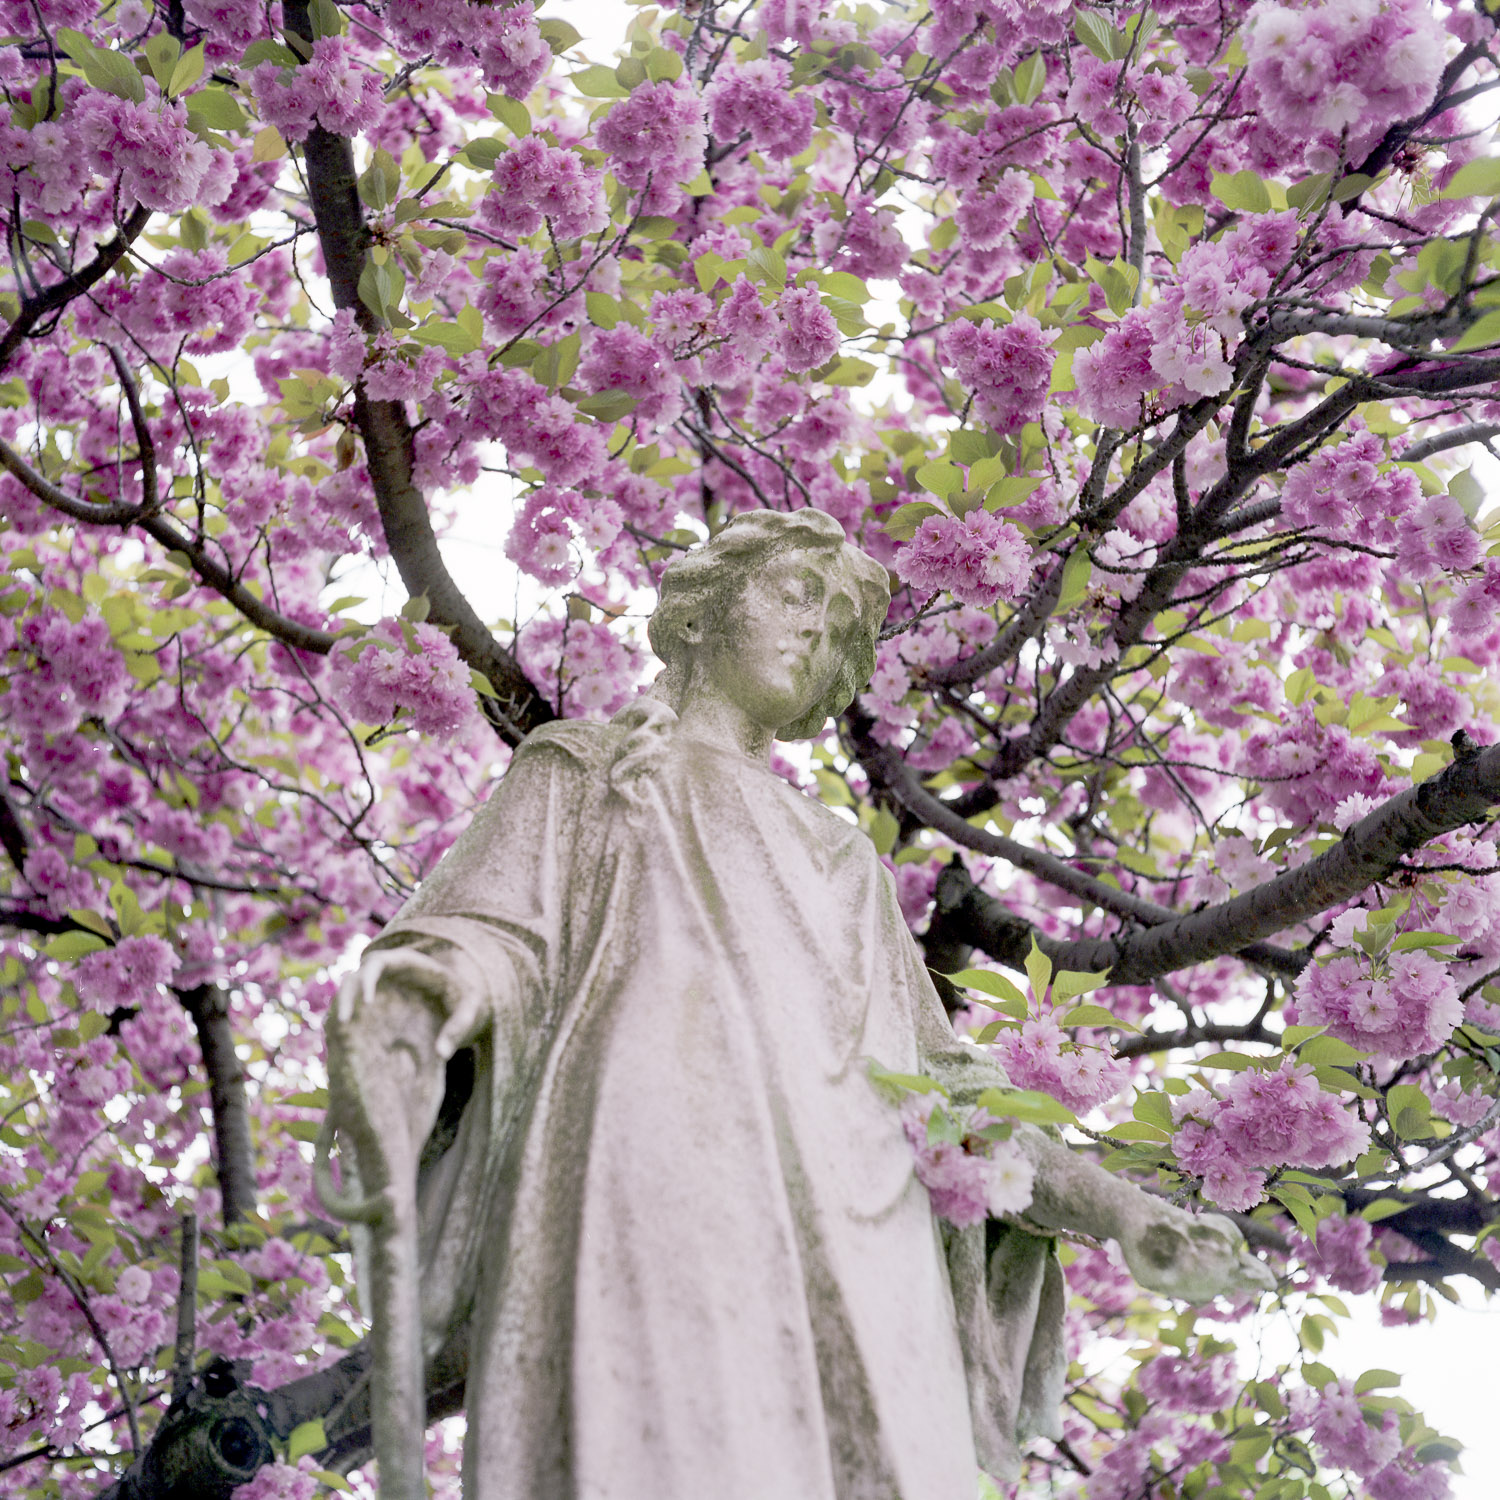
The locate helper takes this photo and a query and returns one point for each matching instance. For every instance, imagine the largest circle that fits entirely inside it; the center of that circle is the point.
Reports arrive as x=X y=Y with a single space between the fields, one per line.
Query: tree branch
x=57 y=296
x=343 y=235
x=234 y=1152
x=1369 y=852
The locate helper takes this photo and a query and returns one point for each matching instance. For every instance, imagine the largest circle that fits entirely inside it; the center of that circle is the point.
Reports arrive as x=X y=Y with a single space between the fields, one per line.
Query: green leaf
x=559 y=35
x=511 y=113
x=327 y=19
x=1030 y=76
x=987 y=982
x=844 y=284
x=1234 y=1062
x=268 y=51
x=447 y=336
x=1485 y=331
x=850 y=372
x=1244 y=192
x=894 y=1085
x=1038 y=969
x=599 y=82
x=381 y=180
x=901 y=525
x=769 y=263
x=1088 y=1015
x=187 y=72
x=1475 y=179
x=72 y=945
x=307 y=1437
x=482 y=153
x=1373 y=1380
x=556 y=363
x=1410 y=1111
x=941 y=479
x=161 y=52
x=1095 y=33
x=111 y=71
x=663 y=65
x=89 y=1183
x=1010 y=491
x=608 y=406
x=1075 y=579
x=1027 y=1104
x=1070 y=983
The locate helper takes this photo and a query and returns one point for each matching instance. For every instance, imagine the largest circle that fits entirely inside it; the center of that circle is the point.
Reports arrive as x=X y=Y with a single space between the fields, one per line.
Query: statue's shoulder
x=581 y=741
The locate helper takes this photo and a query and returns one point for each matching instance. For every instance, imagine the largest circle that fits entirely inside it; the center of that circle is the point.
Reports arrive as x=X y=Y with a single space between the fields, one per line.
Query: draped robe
x=678 y=1225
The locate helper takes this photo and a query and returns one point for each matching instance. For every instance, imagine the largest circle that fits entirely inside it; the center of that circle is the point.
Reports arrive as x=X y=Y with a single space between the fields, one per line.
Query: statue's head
x=775 y=582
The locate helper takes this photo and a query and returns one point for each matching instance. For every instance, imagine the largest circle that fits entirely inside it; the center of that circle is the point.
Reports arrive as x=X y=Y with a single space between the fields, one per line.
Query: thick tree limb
x=170 y=533
x=344 y=237
x=234 y=1153
x=57 y=296
x=1369 y=852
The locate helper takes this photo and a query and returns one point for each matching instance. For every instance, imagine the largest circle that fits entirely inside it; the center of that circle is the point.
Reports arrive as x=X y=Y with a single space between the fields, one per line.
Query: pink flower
x=1008 y=369
x=125 y=975
x=808 y=336
x=755 y=97
x=534 y=181
x=979 y=560
x=400 y=666
x=656 y=137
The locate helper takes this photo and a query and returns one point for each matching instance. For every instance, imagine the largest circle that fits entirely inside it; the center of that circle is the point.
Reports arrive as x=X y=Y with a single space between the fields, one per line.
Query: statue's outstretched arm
x=1192 y=1256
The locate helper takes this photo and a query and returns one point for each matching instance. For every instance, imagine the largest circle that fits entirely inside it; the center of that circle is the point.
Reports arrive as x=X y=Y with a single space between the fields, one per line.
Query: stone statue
x=675 y=1230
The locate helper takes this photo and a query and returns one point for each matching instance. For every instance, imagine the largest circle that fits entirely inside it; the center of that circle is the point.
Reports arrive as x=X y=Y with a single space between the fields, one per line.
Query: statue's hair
x=699 y=589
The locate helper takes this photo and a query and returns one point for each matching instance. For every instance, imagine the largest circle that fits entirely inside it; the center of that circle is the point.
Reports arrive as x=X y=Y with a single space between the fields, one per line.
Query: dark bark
x=57 y=296
x=344 y=237
x=234 y=1152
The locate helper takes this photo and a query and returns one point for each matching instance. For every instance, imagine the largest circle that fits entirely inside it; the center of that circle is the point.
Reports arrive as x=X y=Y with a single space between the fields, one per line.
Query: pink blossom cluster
x=1311 y=768
x=985 y=216
x=534 y=181
x=807 y=336
x=124 y=975
x=655 y=141
x=1346 y=1438
x=582 y=667
x=76 y=673
x=623 y=360
x=540 y=541
x=1178 y=1383
x=1475 y=612
x=866 y=241
x=1344 y=65
x=1267 y=1118
x=1341 y=1253
x=195 y=306
x=1340 y=490
x=1436 y=537
x=1403 y=1005
x=968 y=1176
x=535 y=425
x=1007 y=369
x=335 y=88
x=1038 y=1054
x=979 y=559
x=754 y=97
x=502 y=40
x=398 y=667
x=150 y=147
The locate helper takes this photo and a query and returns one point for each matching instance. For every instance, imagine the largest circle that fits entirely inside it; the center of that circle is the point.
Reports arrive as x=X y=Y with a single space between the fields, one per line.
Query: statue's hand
x=397 y=1020
x=1194 y=1257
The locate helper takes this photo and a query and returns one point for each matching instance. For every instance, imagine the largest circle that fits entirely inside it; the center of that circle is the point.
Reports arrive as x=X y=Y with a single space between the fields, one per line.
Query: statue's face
x=777 y=651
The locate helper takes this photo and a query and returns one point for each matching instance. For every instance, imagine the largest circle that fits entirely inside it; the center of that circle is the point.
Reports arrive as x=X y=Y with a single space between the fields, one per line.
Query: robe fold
x=679 y=1224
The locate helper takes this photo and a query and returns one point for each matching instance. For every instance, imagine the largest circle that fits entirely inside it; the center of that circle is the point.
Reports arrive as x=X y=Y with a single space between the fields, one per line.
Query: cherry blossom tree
x=1148 y=347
